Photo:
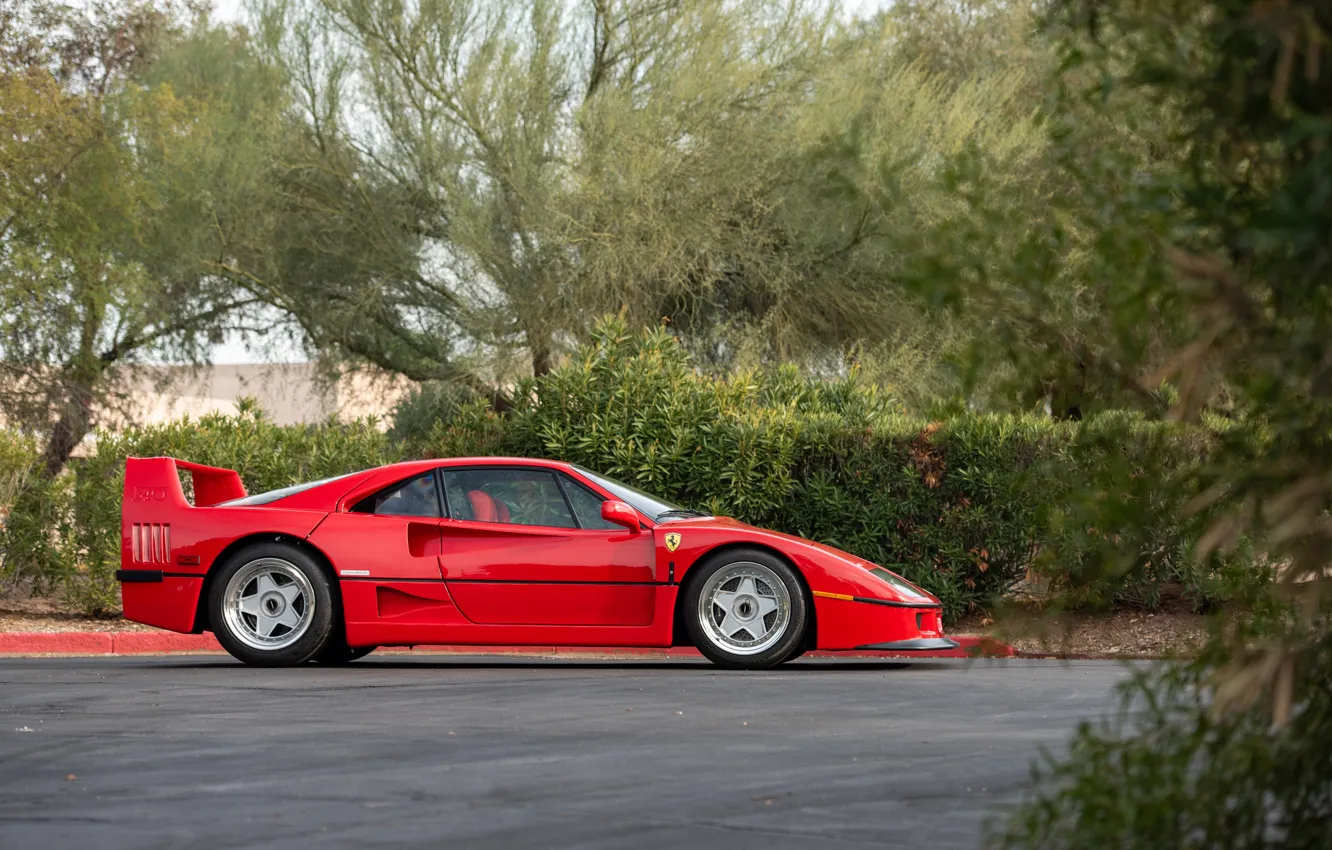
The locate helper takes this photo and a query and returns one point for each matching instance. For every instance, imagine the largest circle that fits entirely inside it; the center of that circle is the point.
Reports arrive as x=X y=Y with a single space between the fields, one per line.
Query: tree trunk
x=1067 y=398
x=79 y=377
x=70 y=428
x=543 y=359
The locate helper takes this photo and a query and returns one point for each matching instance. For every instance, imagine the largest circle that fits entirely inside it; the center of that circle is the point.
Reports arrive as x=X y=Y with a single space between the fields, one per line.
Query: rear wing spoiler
x=150 y=480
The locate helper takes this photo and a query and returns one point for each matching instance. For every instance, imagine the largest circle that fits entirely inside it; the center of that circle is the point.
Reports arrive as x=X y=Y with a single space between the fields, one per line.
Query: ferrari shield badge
x=672 y=541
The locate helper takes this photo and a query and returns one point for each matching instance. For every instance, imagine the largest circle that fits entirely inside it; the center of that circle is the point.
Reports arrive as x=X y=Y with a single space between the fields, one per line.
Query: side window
x=413 y=497
x=518 y=496
x=586 y=506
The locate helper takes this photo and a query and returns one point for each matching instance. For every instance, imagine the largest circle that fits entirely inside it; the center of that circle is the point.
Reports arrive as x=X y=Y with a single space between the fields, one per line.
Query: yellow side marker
x=841 y=596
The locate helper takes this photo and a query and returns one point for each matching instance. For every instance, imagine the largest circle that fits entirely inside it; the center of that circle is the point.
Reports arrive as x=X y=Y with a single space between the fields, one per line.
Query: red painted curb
x=984 y=646
x=65 y=643
x=136 y=643
x=156 y=643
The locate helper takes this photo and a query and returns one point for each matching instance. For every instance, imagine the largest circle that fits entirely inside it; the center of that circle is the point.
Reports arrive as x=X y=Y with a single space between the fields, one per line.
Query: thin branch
x=133 y=342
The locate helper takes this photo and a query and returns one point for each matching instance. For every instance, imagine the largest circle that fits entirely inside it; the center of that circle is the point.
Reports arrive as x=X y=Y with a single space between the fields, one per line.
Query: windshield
x=645 y=503
x=274 y=495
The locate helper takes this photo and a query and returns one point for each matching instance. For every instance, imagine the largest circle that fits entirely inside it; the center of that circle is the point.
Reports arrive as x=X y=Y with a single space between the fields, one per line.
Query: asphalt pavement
x=201 y=752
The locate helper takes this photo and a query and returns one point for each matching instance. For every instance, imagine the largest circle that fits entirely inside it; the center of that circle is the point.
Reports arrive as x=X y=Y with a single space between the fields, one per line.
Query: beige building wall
x=291 y=393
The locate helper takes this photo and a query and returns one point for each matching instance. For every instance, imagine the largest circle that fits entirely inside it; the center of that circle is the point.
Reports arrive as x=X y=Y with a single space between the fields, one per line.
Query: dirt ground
x=19 y=614
x=1123 y=634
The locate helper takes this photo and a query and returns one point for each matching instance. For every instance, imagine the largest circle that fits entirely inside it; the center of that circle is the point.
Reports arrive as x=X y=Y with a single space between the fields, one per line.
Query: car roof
x=408 y=466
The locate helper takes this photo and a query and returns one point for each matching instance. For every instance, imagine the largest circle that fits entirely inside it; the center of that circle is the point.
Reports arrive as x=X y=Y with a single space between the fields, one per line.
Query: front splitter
x=913 y=645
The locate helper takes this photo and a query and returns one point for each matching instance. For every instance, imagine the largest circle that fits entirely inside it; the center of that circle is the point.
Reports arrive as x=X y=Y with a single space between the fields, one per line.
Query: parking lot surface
x=405 y=751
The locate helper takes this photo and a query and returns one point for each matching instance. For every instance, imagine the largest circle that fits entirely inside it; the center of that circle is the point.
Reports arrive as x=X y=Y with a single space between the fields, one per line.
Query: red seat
x=486 y=508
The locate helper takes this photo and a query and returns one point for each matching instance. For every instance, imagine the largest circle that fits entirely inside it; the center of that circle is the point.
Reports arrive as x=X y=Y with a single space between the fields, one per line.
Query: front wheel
x=271 y=605
x=746 y=609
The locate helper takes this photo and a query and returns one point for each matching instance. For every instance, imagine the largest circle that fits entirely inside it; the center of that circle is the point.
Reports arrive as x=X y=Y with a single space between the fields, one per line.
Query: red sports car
x=489 y=551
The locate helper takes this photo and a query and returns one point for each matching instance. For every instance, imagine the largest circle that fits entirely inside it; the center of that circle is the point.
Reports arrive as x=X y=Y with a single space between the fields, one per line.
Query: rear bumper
x=168 y=602
x=913 y=645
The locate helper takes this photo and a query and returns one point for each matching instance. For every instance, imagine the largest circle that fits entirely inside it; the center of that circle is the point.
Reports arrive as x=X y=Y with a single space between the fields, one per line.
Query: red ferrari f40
x=489 y=551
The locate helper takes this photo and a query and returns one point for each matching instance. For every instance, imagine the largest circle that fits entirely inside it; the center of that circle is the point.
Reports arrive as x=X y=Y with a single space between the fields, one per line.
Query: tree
x=127 y=134
x=1190 y=145
x=525 y=167
x=962 y=39
x=1018 y=254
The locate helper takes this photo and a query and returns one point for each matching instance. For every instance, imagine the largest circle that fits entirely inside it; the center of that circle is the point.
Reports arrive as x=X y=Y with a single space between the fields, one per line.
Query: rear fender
x=167 y=545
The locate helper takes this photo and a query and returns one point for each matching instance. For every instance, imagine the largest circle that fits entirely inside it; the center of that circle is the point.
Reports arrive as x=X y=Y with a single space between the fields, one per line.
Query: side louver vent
x=151 y=542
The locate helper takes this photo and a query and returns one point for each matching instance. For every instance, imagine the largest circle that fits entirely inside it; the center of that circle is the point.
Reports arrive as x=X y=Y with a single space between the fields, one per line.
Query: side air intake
x=150 y=542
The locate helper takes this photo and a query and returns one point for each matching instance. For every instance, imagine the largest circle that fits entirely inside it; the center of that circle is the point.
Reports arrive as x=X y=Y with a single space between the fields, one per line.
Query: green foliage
x=134 y=135
x=18 y=462
x=39 y=548
x=1175 y=256
x=633 y=407
x=69 y=532
x=1169 y=770
x=514 y=169
x=968 y=507
x=426 y=404
x=1113 y=470
x=958 y=40
x=35 y=520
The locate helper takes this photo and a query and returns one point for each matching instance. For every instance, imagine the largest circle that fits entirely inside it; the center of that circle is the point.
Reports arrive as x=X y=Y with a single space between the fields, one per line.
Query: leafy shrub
x=18 y=462
x=1103 y=477
x=35 y=527
x=266 y=455
x=37 y=546
x=426 y=404
x=969 y=506
x=1171 y=768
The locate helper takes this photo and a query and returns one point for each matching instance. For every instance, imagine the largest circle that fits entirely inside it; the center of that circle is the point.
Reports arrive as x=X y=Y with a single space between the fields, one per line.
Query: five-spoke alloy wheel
x=272 y=605
x=746 y=608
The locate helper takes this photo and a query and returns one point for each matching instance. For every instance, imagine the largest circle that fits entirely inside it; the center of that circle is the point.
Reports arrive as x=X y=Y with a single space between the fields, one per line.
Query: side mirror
x=620 y=514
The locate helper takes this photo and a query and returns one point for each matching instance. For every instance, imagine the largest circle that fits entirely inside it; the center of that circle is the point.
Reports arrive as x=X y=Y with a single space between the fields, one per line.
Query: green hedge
x=968 y=507
x=64 y=536
x=36 y=546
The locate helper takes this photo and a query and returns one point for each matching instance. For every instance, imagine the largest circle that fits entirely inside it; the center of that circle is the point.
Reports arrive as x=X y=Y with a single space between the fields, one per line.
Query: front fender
x=853 y=607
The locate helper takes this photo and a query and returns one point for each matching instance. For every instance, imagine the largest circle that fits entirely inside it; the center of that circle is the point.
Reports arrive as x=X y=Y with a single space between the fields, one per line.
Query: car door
x=516 y=551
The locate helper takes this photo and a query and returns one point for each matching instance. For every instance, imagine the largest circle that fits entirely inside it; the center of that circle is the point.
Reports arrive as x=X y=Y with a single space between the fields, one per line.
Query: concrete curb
x=165 y=643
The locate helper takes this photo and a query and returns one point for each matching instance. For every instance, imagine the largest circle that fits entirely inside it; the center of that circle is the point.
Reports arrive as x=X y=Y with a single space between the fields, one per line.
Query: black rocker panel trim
x=131 y=576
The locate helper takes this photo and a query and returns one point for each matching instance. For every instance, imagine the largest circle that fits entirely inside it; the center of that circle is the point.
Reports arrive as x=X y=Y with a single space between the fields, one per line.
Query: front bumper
x=914 y=645
x=852 y=622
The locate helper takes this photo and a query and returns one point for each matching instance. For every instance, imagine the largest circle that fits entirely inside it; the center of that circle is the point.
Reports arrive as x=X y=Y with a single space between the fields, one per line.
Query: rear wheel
x=271 y=605
x=746 y=609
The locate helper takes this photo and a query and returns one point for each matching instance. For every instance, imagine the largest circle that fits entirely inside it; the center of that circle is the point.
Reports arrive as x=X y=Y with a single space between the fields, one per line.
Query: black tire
x=313 y=604
x=338 y=653
x=772 y=647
